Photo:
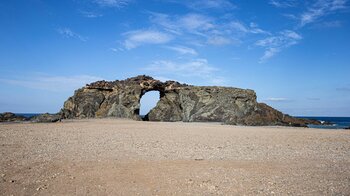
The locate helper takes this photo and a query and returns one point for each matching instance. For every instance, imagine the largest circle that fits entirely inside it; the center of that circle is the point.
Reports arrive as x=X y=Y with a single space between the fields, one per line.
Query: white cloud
x=112 y=3
x=117 y=49
x=195 y=22
x=183 y=50
x=140 y=37
x=52 y=83
x=196 y=68
x=164 y=79
x=284 y=38
x=283 y=3
x=269 y=53
x=204 y=30
x=277 y=99
x=164 y=21
x=321 y=8
x=206 y=4
x=90 y=14
x=275 y=43
x=67 y=32
x=219 y=40
x=238 y=26
x=315 y=11
x=242 y=28
x=291 y=16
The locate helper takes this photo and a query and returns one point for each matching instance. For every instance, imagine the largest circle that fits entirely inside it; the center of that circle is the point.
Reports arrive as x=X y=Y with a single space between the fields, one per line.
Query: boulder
x=178 y=102
x=11 y=117
x=46 y=118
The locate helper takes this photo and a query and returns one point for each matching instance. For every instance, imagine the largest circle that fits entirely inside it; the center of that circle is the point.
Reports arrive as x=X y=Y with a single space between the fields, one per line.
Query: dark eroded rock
x=178 y=102
x=46 y=118
x=11 y=117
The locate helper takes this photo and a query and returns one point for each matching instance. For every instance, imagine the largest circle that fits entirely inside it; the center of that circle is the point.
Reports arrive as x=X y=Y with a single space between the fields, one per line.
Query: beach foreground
x=124 y=157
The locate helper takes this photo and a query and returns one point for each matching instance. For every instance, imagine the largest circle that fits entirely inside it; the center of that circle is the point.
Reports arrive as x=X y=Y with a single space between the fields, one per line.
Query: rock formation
x=46 y=118
x=42 y=118
x=178 y=102
x=11 y=117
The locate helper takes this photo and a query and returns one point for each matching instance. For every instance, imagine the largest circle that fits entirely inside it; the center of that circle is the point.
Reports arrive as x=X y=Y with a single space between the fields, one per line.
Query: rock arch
x=178 y=102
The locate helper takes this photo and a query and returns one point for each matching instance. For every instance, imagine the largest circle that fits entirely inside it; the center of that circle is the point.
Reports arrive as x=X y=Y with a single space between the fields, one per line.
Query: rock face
x=178 y=102
x=11 y=117
x=46 y=118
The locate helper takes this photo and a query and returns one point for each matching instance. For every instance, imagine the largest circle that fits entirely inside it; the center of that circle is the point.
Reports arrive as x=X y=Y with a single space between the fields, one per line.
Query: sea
x=336 y=122
x=28 y=115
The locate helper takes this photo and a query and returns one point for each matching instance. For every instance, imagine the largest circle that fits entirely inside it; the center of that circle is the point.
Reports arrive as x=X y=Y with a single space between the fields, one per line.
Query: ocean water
x=28 y=115
x=337 y=122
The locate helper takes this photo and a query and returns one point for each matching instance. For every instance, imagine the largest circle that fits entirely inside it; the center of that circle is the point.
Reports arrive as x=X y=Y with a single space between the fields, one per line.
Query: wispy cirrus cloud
x=205 y=4
x=219 y=40
x=283 y=3
x=195 y=68
x=141 y=37
x=320 y=9
x=51 y=83
x=253 y=28
x=68 y=33
x=314 y=11
x=189 y=23
x=112 y=3
x=90 y=14
x=277 y=99
x=211 y=31
x=211 y=4
x=182 y=50
x=275 y=43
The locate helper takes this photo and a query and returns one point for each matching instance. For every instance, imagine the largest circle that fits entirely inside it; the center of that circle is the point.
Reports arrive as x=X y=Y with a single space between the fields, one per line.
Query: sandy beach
x=125 y=157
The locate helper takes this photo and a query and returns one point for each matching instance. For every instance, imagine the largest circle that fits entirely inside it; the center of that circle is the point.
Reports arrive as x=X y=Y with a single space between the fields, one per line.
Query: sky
x=294 y=54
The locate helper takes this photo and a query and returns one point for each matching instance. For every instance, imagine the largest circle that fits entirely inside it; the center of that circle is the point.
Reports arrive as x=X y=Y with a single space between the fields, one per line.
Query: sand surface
x=124 y=157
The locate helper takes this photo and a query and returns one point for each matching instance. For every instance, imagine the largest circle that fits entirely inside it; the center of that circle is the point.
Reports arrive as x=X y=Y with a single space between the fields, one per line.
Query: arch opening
x=148 y=101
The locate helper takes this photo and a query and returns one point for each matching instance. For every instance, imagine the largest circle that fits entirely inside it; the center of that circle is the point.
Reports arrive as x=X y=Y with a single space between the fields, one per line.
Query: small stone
x=199 y=159
x=41 y=187
x=190 y=181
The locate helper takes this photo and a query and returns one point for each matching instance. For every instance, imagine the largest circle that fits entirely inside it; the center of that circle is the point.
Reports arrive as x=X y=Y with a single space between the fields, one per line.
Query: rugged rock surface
x=178 y=102
x=11 y=117
x=46 y=118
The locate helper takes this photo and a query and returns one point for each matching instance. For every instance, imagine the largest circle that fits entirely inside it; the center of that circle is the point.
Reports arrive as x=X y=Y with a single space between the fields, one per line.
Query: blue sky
x=294 y=54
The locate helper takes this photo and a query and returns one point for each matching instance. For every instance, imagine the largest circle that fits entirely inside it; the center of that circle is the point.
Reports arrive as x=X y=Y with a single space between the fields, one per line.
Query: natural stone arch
x=178 y=102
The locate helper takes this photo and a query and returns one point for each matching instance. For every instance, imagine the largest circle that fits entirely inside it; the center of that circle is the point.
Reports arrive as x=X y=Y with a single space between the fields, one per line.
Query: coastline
x=119 y=156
